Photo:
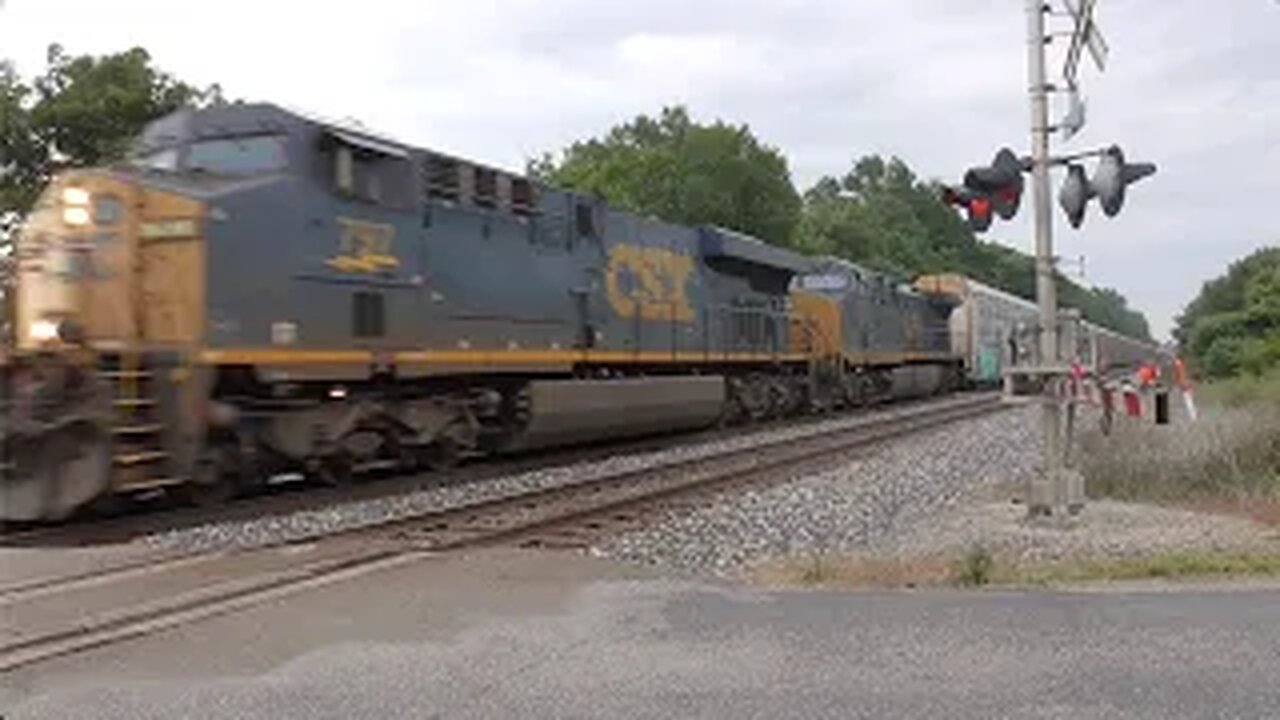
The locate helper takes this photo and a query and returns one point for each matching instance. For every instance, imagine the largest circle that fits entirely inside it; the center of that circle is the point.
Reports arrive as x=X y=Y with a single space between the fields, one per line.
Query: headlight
x=75 y=215
x=75 y=196
x=44 y=330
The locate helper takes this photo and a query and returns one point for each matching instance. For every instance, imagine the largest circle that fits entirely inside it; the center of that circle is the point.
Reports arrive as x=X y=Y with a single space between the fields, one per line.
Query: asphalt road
x=529 y=639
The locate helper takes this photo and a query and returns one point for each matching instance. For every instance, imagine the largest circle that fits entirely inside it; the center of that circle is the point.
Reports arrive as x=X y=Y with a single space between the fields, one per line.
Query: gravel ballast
x=925 y=496
x=298 y=525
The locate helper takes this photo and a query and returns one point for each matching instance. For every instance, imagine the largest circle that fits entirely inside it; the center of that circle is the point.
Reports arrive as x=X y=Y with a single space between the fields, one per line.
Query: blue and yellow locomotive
x=257 y=292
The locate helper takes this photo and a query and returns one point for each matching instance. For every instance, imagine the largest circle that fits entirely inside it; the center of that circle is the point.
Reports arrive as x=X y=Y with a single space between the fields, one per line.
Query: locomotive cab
x=109 y=313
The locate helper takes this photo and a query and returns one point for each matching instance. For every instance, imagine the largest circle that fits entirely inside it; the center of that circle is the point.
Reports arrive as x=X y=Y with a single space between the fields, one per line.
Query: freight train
x=992 y=330
x=257 y=292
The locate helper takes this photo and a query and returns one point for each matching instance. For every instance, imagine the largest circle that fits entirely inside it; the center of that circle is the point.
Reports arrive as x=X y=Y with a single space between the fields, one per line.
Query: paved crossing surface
x=533 y=636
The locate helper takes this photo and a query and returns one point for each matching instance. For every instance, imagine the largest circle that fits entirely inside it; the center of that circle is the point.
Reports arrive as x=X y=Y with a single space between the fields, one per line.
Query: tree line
x=83 y=110
x=1232 y=327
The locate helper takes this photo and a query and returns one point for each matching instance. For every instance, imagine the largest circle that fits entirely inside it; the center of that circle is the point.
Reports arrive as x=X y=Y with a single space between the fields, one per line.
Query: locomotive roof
x=721 y=242
x=263 y=117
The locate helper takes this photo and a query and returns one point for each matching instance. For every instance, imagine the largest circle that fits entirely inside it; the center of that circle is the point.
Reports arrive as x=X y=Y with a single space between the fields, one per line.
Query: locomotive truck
x=256 y=292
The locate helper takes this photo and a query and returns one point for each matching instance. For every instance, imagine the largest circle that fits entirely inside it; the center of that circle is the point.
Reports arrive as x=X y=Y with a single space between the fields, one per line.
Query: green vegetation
x=81 y=111
x=1233 y=326
x=1244 y=390
x=1229 y=453
x=976 y=569
x=684 y=172
x=878 y=214
x=1167 y=566
x=1230 y=458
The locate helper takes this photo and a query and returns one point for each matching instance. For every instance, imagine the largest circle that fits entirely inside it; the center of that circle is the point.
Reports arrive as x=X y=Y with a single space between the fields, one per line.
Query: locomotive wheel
x=337 y=470
x=442 y=454
x=216 y=479
x=57 y=474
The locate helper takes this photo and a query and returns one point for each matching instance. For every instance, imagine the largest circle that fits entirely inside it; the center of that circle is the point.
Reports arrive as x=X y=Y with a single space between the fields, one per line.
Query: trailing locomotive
x=256 y=292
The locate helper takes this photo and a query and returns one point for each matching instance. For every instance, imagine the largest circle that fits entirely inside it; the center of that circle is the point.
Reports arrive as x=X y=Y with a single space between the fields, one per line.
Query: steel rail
x=489 y=522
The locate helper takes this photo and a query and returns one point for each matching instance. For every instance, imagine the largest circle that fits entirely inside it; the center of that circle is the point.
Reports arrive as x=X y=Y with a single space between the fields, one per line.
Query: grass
x=977 y=568
x=1168 y=566
x=822 y=570
x=1244 y=391
x=1228 y=460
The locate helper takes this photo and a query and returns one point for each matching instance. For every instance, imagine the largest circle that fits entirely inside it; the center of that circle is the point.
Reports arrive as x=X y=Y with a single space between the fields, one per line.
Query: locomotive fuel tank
x=567 y=411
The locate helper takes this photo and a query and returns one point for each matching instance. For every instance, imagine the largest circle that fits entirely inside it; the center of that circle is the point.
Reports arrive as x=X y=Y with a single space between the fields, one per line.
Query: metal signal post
x=1048 y=492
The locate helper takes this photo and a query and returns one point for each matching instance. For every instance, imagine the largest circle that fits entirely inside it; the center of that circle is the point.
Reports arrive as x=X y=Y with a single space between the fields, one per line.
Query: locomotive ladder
x=138 y=455
x=139 y=458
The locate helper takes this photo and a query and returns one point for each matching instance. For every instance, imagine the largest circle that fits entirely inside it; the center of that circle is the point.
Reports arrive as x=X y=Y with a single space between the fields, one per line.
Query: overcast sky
x=1191 y=85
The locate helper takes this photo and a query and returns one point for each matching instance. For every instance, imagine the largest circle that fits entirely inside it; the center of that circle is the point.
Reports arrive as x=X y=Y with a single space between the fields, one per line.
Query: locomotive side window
x=368 y=317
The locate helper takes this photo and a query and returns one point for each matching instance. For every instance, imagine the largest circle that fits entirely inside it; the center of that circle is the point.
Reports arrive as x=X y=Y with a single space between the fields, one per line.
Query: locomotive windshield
x=159 y=160
x=237 y=156
x=247 y=155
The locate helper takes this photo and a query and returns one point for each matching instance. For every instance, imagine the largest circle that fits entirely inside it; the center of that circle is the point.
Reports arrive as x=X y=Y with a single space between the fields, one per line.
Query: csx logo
x=649 y=282
x=364 y=246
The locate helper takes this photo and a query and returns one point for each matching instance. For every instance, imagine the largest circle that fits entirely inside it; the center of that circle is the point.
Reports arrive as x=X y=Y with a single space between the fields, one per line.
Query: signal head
x=977 y=206
x=1074 y=195
x=1113 y=175
x=1001 y=181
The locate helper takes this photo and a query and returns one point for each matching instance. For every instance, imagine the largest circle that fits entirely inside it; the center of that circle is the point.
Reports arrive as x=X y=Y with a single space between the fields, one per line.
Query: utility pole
x=1046 y=492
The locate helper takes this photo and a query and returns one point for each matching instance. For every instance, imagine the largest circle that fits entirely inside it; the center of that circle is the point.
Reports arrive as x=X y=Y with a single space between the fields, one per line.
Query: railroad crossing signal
x=996 y=188
x=1110 y=179
x=977 y=207
x=1001 y=181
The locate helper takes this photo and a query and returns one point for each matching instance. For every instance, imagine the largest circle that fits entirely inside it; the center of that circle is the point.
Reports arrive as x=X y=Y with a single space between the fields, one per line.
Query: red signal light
x=979 y=213
x=980 y=207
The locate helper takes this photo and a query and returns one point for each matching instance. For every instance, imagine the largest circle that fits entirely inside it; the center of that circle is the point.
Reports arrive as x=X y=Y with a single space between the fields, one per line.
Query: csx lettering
x=649 y=282
x=364 y=247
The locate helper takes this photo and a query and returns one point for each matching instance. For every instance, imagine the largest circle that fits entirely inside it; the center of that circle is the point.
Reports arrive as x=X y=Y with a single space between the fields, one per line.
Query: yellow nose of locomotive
x=85 y=272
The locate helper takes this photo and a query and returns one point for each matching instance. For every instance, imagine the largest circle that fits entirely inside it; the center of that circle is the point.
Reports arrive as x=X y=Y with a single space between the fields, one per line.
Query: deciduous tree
x=684 y=171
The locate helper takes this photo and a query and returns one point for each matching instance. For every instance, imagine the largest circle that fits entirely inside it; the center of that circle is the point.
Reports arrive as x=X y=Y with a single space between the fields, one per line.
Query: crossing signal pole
x=996 y=190
x=1050 y=489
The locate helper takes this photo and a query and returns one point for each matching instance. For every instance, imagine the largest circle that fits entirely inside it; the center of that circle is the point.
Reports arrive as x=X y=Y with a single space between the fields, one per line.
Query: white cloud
x=941 y=84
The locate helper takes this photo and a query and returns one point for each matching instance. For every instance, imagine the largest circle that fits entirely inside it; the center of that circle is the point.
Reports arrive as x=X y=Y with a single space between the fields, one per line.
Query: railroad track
x=153 y=517
x=52 y=618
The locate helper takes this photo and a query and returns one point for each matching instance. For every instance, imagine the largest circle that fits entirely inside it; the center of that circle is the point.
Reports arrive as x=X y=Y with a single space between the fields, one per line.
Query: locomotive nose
x=82 y=260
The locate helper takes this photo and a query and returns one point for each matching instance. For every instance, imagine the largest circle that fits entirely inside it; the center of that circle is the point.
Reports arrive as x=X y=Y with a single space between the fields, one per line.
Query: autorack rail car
x=257 y=292
x=988 y=327
x=993 y=330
